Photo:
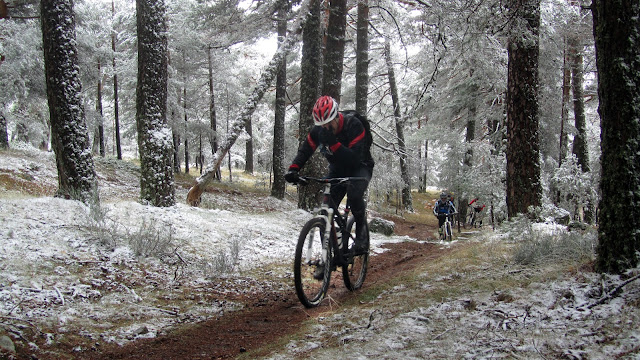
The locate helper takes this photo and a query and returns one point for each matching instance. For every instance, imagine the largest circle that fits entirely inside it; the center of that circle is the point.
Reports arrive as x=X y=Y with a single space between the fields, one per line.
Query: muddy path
x=271 y=315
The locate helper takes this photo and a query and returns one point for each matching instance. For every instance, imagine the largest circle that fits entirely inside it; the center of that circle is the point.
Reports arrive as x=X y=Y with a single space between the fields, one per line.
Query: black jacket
x=349 y=153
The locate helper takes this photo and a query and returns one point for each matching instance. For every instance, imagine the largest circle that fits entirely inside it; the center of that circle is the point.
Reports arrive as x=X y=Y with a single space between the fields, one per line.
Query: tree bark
x=407 y=200
x=213 y=122
x=99 y=111
x=116 y=114
x=70 y=139
x=523 y=148
x=193 y=197
x=334 y=52
x=4 y=134
x=580 y=139
x=154 y=137
x=616 y=25
x=279 y=185
x=362 y=57
x=248 y=154
x=186 y=128
x=310 y=66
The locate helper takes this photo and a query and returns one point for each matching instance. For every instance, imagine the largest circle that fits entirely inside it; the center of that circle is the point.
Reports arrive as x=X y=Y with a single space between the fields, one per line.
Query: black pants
x=355 y=195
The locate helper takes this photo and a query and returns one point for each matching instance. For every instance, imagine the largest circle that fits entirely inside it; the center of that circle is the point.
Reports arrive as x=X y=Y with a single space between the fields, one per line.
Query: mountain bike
x=324 y=244
x=446 y=230
x=473 y=218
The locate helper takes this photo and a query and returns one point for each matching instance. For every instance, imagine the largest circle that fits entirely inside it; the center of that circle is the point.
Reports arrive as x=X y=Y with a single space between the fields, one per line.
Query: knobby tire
x=308 y=258
x=355 y=271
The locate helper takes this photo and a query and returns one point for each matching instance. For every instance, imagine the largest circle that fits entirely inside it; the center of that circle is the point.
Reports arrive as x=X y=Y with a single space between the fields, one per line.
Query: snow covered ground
x=131 y=271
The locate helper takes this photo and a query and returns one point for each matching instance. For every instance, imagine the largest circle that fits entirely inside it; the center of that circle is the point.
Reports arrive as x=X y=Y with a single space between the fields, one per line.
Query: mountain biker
x=341 y=137
x=443 y=208
x=475 y=203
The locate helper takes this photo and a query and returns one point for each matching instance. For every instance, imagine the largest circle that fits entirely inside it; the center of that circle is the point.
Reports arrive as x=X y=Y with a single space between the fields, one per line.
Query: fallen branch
x=613 y=293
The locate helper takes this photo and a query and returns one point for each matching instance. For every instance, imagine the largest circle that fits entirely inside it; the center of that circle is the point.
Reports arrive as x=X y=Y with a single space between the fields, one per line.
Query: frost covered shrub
x=152 y=239
x=574 y=188
x=548 y=242
x=543 y=247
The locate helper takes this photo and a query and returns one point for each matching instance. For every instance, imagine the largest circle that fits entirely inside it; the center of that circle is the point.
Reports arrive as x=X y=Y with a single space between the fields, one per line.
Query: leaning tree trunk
x=616 y=25
x=193 y=197
x=279 y=185
x=407 y=200
x=154 y=136
x=70 y=139
x=523 y=148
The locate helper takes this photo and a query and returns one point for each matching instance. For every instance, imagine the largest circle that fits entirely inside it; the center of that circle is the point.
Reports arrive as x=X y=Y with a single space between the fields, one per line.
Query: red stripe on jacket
x=357 y=139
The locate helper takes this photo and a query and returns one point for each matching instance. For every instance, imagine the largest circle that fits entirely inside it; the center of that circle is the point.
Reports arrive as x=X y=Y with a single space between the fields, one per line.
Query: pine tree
x=523 y=148
x=616 y=27
x=154 y=136
x=70 y=139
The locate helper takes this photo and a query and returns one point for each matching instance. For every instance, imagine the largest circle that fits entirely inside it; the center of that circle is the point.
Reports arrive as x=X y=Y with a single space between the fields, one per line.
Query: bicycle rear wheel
x=312 y=263
x=355 y=271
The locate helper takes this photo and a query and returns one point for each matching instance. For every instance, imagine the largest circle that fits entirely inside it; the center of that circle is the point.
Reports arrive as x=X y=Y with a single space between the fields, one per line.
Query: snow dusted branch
x=613 y=293
x=268 y=74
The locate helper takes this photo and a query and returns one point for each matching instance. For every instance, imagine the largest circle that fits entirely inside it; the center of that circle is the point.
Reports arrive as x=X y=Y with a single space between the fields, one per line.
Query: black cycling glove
x=292 y=176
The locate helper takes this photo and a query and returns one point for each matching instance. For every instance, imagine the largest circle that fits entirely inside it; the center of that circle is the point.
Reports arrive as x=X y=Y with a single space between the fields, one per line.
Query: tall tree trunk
x=278 y=186
x=469 y=138
x=362 y=57
x=523 y=148
x=99 y=111
x=213 y=122
x=309 y=90
x=566 y=98
x=425 y=166
x=407 y=201
x=154 y=136
x=616 y=25
x=70 y=139
x=334 y=52
x=4 y=134
x=115 y=88
x=186 y=128
x=193 y=197
x=176 y=150
x=580 y=138
x=248 y=155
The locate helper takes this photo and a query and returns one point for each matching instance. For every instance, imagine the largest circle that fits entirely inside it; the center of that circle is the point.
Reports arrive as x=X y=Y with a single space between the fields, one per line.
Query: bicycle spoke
x=310 y=273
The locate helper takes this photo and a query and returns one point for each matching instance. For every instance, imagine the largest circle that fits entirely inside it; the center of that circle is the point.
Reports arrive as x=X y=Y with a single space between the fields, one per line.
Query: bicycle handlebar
x=304 y=180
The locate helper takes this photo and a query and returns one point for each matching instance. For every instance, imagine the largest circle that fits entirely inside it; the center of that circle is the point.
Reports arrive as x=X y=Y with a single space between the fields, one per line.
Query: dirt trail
x=268 y=317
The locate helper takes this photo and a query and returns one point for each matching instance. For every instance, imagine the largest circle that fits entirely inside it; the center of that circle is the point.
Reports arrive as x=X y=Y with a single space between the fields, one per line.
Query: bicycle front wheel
x=449 y=231
x=355 y=271
x=469 y=223
x=311 y=266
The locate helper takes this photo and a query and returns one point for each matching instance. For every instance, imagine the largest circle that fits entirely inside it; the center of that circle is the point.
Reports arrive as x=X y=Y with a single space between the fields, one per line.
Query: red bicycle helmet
x=325 y=110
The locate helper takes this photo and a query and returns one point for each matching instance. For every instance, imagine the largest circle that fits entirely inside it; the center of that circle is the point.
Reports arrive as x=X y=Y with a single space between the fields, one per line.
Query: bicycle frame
x=332 y=216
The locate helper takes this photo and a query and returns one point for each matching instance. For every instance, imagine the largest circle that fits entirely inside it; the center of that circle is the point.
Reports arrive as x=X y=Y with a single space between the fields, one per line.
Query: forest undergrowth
x=527 y=290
